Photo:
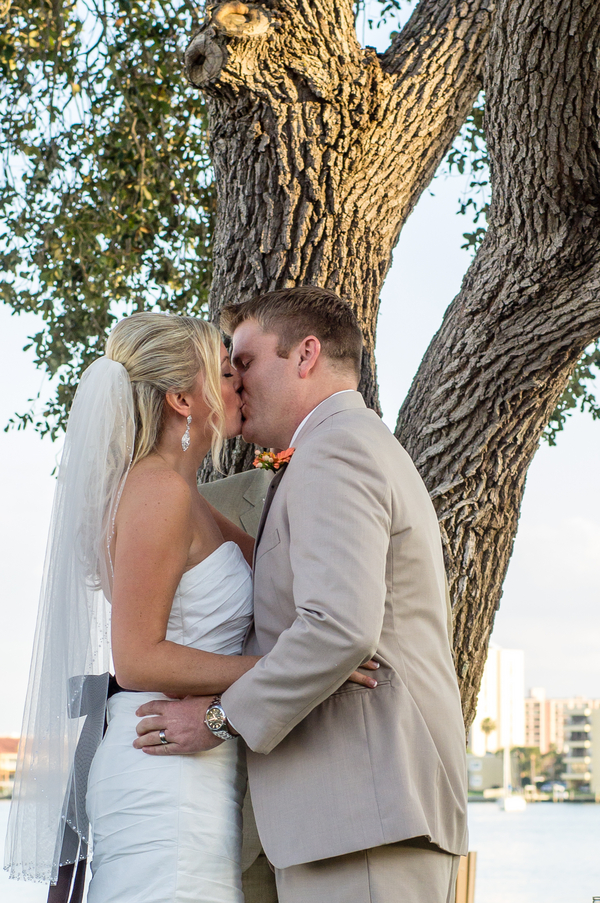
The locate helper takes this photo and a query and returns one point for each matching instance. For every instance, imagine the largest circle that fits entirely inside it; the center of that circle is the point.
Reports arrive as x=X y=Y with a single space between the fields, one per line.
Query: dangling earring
x=185 y=439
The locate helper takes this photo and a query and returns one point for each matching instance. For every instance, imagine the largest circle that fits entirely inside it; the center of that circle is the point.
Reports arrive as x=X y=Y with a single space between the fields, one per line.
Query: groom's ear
x=308 y=352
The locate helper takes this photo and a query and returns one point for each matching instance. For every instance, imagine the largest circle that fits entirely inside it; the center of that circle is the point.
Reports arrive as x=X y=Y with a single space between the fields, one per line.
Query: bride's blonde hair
x=165 y=353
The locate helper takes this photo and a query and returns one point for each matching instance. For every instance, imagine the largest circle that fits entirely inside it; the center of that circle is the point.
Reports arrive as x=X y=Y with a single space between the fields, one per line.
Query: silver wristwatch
x=216 y=720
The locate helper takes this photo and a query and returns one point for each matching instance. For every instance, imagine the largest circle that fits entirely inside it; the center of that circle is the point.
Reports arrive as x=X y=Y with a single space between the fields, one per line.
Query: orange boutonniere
x=272 y=461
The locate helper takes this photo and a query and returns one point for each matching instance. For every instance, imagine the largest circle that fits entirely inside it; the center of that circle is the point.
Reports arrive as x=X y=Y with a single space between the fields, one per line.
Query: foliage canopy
x=106 y=198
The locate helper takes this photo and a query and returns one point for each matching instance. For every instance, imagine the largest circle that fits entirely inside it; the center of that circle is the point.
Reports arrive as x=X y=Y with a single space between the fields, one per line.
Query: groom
x=359 y=794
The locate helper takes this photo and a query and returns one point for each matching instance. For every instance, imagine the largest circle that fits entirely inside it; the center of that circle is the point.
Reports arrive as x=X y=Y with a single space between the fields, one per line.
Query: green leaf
x=105 y=176
x=579 y=394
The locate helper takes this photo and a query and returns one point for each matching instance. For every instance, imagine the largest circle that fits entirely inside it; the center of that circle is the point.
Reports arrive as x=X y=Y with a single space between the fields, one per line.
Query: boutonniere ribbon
x=268 y=460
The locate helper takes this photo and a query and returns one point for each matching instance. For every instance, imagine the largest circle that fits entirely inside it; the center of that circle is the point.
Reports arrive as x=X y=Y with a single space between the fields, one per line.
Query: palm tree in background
x=488 y=726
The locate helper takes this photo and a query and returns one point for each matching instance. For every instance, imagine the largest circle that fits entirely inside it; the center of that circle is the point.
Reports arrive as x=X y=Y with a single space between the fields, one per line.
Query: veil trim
x=66 y=697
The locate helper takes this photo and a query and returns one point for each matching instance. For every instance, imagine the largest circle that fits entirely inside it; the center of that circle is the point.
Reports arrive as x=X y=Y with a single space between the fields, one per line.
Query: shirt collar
x=310 y=413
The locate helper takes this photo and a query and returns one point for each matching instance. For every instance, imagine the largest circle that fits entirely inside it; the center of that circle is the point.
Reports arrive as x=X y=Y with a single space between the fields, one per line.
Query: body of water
x=548 y=854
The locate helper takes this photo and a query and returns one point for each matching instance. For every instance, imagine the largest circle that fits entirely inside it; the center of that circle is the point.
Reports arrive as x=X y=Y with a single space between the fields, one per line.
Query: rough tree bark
x=529 y=305
x=321 y=150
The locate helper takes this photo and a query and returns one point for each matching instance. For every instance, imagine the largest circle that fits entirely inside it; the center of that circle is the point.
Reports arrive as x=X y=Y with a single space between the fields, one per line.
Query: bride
x=181 y=604
x=130 y=529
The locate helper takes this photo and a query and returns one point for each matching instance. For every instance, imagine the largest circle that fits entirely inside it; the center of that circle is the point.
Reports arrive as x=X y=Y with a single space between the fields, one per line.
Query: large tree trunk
x=321 y=150
x=529 y=305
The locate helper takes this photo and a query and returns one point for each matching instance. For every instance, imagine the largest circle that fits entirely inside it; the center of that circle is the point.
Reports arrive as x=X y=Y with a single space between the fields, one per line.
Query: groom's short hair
x=294 y=313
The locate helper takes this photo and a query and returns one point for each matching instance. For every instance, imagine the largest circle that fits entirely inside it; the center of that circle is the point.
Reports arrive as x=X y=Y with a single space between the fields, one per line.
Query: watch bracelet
x=221 y=733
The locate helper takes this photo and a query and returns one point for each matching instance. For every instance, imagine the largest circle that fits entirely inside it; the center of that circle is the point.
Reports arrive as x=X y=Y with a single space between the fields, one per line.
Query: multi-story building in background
x=545 y=719
x=8 y=763
x=582 y=745
x=556 y=723
x=595 y=752
x=537 y=719
x=505 y=717
x=500 y=716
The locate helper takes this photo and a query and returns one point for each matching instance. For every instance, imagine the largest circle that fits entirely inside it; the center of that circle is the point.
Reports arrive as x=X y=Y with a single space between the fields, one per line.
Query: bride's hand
x=357 y=677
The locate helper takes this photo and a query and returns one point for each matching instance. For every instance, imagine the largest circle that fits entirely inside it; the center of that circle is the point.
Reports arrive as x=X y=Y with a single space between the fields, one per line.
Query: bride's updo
x=165 y=353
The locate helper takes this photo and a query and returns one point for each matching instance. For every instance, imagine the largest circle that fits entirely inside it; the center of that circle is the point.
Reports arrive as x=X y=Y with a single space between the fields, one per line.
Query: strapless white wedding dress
x=168 y=829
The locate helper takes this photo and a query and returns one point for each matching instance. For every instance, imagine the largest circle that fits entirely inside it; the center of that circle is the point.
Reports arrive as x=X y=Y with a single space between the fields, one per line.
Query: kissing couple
x=230 y=654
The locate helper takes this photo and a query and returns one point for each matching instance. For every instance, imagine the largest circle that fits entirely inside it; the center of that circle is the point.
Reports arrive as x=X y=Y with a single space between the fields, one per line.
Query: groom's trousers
x=395 y=873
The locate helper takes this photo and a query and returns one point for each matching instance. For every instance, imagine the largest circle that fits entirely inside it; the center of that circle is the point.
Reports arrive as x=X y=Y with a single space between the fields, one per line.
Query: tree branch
x=528 y=307
x=436 y=62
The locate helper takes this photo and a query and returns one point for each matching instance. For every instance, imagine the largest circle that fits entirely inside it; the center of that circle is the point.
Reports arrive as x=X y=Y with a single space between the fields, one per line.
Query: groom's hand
x=180 y=722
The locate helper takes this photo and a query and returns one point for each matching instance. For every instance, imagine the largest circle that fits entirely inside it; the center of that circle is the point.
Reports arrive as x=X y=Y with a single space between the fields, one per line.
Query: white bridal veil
x=64 y=710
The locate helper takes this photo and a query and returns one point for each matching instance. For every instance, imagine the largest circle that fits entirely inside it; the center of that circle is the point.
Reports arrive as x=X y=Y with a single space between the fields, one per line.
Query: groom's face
x=270 y=386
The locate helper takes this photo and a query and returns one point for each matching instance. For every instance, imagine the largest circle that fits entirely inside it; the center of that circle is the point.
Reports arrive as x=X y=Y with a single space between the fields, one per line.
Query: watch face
x=215 y=718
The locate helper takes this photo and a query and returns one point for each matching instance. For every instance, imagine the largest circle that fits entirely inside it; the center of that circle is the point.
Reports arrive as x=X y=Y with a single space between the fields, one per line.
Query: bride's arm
x=153 y=537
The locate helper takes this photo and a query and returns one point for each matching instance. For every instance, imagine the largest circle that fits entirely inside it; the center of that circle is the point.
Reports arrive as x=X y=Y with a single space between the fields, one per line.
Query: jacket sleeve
x=339 y=510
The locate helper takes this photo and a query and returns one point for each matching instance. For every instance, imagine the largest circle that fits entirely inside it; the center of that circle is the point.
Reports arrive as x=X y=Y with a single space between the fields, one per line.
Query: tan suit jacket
x=349 y=565
x=240 y=497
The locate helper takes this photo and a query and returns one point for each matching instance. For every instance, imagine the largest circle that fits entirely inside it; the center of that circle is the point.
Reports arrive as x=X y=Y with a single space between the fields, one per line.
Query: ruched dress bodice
x=167 y=829
x=212 y=607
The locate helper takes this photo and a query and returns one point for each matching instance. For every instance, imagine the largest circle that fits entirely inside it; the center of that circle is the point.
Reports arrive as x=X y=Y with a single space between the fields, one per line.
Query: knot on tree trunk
x=205 y=57
x=207 y=53
x=240 y=19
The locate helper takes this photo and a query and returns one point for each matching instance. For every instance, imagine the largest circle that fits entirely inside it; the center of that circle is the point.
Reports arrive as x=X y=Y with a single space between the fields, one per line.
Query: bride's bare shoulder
x=155 y=487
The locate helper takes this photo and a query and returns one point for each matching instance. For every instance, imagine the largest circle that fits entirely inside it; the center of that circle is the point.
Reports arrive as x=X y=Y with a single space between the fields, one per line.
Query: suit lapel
x=339 y=402
x=254 y=497
x=250 y=519
x=268 y=500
